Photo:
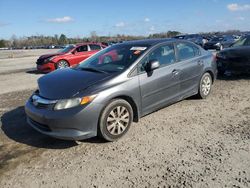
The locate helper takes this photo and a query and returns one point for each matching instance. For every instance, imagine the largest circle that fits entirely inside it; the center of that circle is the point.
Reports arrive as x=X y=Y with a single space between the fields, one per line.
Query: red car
x=71 y=55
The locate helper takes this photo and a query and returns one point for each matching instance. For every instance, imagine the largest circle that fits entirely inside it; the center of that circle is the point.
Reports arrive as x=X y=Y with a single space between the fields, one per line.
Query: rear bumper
x=48 y=67
x=72 y=124
x=211 y=47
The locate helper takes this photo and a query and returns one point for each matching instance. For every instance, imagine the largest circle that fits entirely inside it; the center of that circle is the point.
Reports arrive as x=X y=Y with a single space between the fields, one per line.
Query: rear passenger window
x=187 y=51
x=95 y=47
x=164 y=54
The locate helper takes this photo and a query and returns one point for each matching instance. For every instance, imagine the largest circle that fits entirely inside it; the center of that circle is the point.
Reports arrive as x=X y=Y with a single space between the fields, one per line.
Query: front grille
x=43 y=103
x=40 y=62
x=40 y=126
x=45 y=106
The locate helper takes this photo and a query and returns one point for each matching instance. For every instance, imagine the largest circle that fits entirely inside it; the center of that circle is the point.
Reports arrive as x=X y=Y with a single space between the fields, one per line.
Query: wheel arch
x=212 y=74
x=133 y=105
x=61 y=60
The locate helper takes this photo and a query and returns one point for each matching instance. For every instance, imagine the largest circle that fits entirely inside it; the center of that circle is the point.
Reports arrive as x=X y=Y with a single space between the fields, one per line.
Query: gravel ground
x=193 y=143
x=5 y=54
x=18 y=73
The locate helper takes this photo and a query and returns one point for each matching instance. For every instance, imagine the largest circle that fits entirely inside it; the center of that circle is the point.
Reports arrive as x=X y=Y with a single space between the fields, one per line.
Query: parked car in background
x=68 y=56
x=235 y=59
x=219 y=43
x=100 y=97
x=195 y=38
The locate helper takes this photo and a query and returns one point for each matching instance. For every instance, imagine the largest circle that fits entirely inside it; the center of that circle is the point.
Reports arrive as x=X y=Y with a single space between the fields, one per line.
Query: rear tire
x=115 y=120
x=205 y=86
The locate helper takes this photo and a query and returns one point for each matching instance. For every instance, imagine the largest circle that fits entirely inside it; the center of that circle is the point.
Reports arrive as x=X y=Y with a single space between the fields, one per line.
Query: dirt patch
x=193 y=143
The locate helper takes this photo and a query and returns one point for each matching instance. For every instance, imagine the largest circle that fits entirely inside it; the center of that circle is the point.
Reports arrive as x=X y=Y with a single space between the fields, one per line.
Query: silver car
x=104 y=94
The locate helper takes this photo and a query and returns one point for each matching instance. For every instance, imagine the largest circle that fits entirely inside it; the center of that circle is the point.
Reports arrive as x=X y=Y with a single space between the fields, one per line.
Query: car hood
x=50 y=55
x=66 y=83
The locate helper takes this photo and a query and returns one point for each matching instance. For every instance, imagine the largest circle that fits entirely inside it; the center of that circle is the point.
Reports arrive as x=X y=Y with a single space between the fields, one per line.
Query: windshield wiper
x=93 y=70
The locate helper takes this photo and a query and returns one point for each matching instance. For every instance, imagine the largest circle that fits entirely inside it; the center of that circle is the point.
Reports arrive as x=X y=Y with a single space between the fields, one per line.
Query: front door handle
x=175 y=72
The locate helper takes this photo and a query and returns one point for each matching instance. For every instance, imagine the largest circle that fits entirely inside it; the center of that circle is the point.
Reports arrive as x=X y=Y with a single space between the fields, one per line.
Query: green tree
x=14 y=41
x=2 y=44
x=63 y=39
x=93 y=36
x=173 y=33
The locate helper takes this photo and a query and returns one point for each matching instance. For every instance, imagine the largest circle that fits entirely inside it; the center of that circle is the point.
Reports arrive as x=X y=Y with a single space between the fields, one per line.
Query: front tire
x=62 y=64
x=205 y=86
x=115 y=120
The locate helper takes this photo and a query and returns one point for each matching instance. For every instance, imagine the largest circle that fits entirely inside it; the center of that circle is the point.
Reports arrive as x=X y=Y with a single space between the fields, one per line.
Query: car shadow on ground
x=231 y=77
x=35 y=71
x=15 y=127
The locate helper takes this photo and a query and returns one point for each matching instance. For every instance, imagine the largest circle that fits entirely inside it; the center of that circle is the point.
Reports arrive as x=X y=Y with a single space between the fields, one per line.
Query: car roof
x=150 y=42
x=88 y=43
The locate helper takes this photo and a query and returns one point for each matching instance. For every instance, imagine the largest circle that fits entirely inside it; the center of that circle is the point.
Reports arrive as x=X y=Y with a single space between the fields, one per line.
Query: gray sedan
x=104 y=94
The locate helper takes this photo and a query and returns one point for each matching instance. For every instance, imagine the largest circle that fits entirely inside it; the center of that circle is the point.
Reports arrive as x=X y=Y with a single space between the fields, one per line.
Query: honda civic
x=104 y=94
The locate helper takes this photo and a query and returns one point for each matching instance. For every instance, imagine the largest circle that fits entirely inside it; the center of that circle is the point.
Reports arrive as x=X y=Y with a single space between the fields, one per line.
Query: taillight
x=214 y=57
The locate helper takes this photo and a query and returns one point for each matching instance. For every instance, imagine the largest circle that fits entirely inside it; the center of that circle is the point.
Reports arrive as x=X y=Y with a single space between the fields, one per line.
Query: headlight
x=70 y=103
x=217 y=44
x=49 y=59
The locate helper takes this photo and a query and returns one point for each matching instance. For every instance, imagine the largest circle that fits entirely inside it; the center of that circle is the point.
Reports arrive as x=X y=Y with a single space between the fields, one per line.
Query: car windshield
x=113 y=59
x=66 y=49
x=244 y=41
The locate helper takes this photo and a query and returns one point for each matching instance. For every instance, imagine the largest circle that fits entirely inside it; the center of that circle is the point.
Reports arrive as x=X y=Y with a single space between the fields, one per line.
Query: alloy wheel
x=206 y=85
x=62 y=65
x=118 y=120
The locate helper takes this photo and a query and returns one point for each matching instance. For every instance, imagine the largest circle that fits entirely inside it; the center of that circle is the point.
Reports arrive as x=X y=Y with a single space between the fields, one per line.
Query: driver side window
x=164 y=54
x=83 y=48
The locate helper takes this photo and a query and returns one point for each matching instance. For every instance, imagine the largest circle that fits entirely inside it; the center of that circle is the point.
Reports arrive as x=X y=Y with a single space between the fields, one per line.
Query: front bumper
x=71 y=124
x=48 y=67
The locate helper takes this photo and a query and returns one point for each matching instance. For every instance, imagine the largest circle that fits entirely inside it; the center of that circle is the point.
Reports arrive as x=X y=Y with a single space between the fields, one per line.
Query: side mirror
x=73 y=52
x=152 y=65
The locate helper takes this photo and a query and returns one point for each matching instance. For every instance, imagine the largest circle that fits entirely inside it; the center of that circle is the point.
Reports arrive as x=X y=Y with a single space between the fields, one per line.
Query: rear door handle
x=200 y=62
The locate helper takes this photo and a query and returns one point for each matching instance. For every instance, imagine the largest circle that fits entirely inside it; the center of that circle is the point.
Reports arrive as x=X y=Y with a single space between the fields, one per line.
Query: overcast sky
x=109 y=17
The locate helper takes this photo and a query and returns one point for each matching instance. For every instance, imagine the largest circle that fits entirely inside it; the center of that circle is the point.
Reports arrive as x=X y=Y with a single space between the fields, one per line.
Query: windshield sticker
x=137 y=52
x=138 y=48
